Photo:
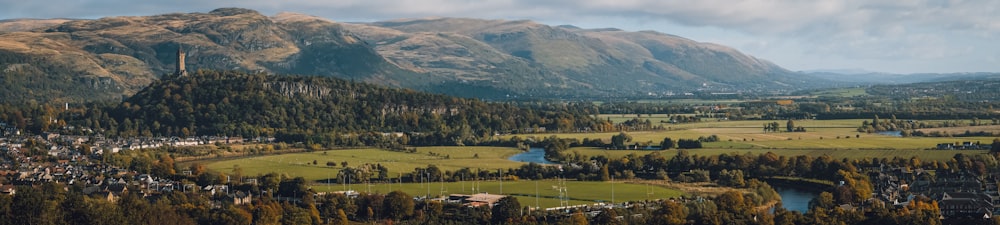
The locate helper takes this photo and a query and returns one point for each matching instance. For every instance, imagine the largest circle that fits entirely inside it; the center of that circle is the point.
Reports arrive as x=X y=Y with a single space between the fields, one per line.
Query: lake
x=795 y=198
x=535 y=155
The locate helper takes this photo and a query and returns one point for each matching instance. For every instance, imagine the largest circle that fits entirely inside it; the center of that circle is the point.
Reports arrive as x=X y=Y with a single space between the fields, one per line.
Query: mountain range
x=68 y=60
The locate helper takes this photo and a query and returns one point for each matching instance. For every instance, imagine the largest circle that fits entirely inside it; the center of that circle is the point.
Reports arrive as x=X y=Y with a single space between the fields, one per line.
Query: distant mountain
x=867 y=77
x=104 y=59
x=532 y=56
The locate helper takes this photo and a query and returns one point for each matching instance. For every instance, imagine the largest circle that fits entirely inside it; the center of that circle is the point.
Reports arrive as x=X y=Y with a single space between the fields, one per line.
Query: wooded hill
x=244 y=104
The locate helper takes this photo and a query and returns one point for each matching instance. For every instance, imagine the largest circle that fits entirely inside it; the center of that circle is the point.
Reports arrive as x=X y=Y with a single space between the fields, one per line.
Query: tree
x=823 y=201
x=341 y=218
x=292 y=214
x=506 y=211
x=398 y=205
x=995 y=147
x=790 y=126
x=618 y=141
x=667 y=143
x=670 y=213
x=732 y=178
x=578 y=218
x=605 y=175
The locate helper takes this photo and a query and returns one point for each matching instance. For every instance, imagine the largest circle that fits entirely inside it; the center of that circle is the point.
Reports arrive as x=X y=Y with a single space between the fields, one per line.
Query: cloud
x=849 y=29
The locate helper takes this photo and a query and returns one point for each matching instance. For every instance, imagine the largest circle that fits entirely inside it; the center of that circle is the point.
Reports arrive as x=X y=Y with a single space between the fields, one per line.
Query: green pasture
x=579 y=192
x=822 y=134
x=925 y=155
x=301 y=164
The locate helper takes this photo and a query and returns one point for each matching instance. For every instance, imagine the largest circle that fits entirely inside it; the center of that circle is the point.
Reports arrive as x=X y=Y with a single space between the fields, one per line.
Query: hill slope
x=104 y=59
x=118 y=55
x=608 y=60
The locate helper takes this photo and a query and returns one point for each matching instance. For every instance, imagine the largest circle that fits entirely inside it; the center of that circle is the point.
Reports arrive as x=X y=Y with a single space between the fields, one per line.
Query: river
x=535 y=155
x=792 y=197
x=891 y=133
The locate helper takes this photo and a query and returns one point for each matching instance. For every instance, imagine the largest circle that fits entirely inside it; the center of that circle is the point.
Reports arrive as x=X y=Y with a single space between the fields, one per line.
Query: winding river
x=792 y=197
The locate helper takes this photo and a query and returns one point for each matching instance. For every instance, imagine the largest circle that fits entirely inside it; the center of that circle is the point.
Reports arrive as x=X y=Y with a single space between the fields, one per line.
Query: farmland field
x=822 y=134
x=579 y=192
x=925 y=155
x=835 y=138
x=959 y=130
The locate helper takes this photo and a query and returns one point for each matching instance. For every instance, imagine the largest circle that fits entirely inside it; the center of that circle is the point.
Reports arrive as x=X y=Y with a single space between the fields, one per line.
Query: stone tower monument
x=180 y=70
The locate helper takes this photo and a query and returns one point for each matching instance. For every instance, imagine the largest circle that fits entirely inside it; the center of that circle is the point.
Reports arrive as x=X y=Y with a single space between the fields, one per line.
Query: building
x=476 y=200
x=966 y=205
x=179 y=70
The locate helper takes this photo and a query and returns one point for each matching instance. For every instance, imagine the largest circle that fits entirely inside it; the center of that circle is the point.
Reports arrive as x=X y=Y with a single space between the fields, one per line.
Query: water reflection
x=535 y=155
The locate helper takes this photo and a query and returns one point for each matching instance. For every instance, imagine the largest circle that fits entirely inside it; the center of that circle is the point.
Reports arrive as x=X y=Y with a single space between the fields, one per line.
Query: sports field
x=578 y=192
x=301 y=164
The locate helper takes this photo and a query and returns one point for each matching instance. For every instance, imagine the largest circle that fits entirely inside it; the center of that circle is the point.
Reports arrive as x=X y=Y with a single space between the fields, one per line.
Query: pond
x=535 y=155
x=795 y=198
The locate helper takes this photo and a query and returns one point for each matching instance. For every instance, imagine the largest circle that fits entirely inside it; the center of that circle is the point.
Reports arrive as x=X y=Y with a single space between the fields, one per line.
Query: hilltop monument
x=180 y=70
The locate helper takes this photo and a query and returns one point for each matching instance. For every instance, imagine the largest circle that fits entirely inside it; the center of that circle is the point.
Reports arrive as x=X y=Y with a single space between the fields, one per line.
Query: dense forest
x=231 y=103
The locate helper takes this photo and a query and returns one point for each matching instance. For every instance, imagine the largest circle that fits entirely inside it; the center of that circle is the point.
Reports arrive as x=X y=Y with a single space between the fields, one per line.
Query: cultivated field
x=579 y=192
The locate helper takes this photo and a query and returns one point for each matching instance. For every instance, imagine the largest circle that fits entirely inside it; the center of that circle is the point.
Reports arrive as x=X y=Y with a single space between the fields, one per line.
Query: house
x=8 y=189
x=238 y=198
x=965 y=205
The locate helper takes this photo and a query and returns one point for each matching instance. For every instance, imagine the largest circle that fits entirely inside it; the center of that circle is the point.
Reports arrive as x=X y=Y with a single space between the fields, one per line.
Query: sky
x=892 y=36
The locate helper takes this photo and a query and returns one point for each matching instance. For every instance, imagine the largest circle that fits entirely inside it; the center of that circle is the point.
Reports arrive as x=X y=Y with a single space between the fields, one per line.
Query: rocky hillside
x=104 y=59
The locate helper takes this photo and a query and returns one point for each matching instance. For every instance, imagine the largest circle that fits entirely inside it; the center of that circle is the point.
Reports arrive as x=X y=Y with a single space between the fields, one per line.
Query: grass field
x=822 y=134
x=835 y=138
x=959 y=130
x=300 y=164
x=924 y=155
x=579 y=192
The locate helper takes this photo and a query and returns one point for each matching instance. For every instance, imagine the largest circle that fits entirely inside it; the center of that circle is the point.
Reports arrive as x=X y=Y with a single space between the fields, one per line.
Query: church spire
x=180 y=70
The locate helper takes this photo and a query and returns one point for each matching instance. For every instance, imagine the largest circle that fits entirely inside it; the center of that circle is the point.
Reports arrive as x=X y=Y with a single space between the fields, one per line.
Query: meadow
x=924 y=155
x=749 y=135
x=835 y=138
